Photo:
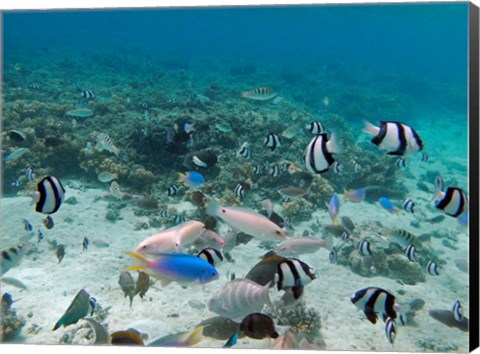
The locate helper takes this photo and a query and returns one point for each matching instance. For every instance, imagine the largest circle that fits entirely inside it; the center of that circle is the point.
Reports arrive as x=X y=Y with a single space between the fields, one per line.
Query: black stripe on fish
x=408 y=205
x=272 y=141
x=364 y=248
x=209 y=255
x=51 y=191
x=6 y=256
x=457 y=311
x=432 y=268
x=316 y=128
x=274 y=171
x=449 y=205
x=239 y=190
x=411 y=253
x=326 y=157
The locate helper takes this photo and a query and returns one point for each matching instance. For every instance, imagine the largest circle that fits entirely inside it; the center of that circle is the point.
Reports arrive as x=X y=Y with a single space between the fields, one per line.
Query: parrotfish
x=177 y=267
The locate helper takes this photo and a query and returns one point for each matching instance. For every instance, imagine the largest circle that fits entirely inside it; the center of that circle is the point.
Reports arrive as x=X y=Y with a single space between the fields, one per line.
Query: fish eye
x=144 y=246
x=278 y=232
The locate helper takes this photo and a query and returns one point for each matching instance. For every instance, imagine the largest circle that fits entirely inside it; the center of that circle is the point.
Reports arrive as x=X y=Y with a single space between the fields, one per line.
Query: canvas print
x=268 y=177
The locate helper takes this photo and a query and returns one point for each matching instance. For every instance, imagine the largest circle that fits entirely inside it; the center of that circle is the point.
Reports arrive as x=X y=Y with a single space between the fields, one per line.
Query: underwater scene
x=289 y=177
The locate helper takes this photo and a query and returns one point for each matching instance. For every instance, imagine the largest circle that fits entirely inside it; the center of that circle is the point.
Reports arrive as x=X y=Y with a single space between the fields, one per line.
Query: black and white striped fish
x=29 y=175
x=211 y=255
x=364 y=248
x=41 y=236
x=286 y=199
x=179 y=219
x=408 y=205
x=337 y=167
x=316 y=128
x=35 y=85
x=16 y=183
x=144 y=104
x=28 y=225
x=172 y=190
x=285 y=166
x=394 y=137
x=274 y=171
x=424 y=157
x=411 y=253
x=357 y=168
x=401 y=162
x=373 y=301
x=49 y=196
x=431 y=268
x=245 y=152
x=453 y=201
x=390 y=330
x=85 y=243
x=346 y=236
x=88 y=94
x=333 y=255
x=457 y=311
x=439 y=184
x=318 y=154
x=272 y=141
x=295 y=274
x=163 y=213
x=257 y=169
x=239 y=190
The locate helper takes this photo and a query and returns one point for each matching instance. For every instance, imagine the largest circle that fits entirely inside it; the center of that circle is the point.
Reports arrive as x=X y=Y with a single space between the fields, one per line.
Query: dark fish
x=41 y=236
x=373 y=301
x=6 y=302
x=60 y=252
x=199 y=199
x=348 y=223
x=142 y=286
x=436 y=219
x=17 y=136
x=48 y=222
x=85 y=243
x=220 y=328
x=447 y=318
x=200 y=159
x=49 y=196
x=128 y=286
x=302 y=179
x=258 y=326
x=80 y=307
x=128 y=337
x=417 y=304
x=264 y=271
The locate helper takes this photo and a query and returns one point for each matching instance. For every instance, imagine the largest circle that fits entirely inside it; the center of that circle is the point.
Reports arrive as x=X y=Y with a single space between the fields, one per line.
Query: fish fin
x=369 y=128
x=181 y=177
x=266 y=288
x=371 y=315
x=58 y=324
x=135 y=267
x=212 y=207
x=297 y=292
x=333 y=145
x=231 y=341
x=137 y=256
x=195 y=337
x=438 y=195
x=35 y=198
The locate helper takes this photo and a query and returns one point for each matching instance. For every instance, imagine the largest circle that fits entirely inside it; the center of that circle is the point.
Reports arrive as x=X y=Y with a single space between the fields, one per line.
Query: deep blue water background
x=429 y=40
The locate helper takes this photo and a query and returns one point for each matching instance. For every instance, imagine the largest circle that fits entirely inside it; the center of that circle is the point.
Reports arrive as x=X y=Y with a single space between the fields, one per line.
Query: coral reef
x=11 y=323
x=299 y=317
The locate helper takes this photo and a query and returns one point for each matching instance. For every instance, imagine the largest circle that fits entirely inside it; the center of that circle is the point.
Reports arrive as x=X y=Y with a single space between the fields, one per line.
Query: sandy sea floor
x=52 y=286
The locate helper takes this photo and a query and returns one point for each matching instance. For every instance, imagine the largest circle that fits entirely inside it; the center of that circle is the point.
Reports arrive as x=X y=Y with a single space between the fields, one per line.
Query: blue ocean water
x=117 y=103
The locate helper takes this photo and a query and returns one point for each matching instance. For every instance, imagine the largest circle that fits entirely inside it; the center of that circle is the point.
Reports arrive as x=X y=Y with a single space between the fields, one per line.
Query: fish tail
x=35 y=198
x=438 y=194
x=213 y=206
x=181 y=177
x=195 y=337
x=369 y=128
x=335 y=220
x=333 y=145
x=142 y=261
x=58 y=324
